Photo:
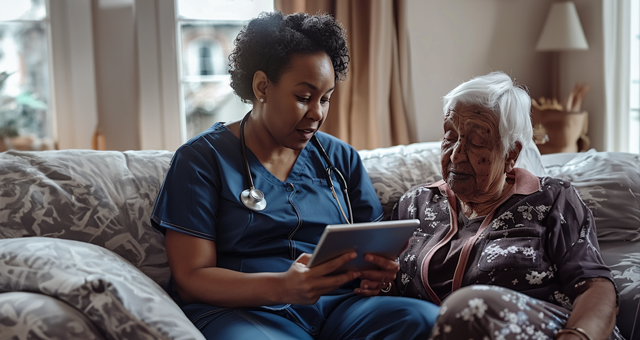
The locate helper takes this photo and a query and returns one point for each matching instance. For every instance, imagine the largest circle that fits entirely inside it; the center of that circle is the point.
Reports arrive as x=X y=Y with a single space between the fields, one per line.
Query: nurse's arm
x=193 y=266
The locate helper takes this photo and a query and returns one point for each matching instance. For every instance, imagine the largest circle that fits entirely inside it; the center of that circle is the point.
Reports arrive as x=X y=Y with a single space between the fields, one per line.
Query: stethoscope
x=254 y=199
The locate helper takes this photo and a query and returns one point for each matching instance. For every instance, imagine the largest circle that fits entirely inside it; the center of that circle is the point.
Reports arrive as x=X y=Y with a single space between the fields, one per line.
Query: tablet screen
x=387 y=238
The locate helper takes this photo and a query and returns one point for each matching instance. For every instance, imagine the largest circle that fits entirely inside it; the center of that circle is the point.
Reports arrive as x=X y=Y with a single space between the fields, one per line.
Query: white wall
x=455 y=40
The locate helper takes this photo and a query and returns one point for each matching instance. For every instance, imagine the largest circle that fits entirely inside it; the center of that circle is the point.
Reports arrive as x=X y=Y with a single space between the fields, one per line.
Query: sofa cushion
x=609 y=184
x=623 y=258
x=396 y=169
x=121 y=301
x=100 y=197
x=37 y=316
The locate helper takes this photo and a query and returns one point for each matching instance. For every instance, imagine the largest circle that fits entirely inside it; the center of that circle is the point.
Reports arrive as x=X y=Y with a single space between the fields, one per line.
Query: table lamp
x=562 y=32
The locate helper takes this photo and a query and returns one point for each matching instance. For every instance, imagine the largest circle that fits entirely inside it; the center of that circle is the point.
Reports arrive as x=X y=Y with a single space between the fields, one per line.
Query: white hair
x=500 y=95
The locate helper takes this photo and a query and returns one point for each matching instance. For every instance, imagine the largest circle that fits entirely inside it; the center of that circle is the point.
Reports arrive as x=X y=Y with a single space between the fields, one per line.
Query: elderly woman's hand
x=373 y=281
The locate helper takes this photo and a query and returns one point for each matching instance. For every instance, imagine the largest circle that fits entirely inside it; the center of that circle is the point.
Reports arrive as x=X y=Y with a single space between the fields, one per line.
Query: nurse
x=238 y=260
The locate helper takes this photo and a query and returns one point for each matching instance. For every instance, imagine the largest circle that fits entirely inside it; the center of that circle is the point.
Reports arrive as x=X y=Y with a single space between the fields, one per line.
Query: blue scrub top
x=201 y=197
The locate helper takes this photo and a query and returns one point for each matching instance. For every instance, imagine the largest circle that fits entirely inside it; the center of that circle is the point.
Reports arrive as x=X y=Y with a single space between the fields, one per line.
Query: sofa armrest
x=119 y=299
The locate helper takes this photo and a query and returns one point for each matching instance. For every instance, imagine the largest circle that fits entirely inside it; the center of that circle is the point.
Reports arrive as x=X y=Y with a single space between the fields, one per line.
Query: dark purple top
x=541 y=242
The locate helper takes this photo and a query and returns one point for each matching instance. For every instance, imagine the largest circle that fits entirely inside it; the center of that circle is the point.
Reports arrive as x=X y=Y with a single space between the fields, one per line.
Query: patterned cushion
x=609 y=184
x=101 y=197
x=37 y=316
x=121 y=301
x=396 y=169
x=623 y=258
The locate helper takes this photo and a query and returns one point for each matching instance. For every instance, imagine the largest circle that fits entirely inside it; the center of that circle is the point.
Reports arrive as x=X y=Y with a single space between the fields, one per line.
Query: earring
x=262 y=100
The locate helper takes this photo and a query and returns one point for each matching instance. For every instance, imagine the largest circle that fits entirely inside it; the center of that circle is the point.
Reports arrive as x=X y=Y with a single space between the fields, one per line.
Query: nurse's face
x=298 y=104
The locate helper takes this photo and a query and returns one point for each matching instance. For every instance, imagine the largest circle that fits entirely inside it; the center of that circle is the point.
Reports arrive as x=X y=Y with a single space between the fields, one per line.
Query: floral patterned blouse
x=540 y=241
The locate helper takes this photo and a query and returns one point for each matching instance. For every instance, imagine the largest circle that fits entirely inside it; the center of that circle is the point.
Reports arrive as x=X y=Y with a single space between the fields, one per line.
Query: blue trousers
x=347 y=316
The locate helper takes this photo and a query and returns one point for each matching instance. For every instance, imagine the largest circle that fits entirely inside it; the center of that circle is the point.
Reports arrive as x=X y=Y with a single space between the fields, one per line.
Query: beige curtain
x=373 y=107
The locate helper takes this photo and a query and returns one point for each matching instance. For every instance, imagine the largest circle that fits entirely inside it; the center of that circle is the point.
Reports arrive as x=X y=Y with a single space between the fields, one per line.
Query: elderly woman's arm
x=594 y=311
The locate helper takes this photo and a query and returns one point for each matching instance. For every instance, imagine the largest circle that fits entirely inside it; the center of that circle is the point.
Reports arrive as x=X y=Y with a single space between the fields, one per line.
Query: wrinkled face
x=472 y=159
x=298 y=104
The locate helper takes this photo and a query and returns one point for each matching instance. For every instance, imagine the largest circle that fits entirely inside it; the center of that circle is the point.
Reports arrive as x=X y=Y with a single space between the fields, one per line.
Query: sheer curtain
x=373 y=107
x=617 y=41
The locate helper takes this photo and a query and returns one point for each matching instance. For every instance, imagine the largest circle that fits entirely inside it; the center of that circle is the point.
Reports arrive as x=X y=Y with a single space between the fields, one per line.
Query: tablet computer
x=386 y=238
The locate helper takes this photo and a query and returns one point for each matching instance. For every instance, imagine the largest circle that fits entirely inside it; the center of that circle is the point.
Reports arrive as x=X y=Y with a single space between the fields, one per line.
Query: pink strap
x=453 y=229
x=468 y=245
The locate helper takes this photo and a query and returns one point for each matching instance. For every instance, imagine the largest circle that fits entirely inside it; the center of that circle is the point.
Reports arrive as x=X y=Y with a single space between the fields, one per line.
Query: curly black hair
x=268 y=42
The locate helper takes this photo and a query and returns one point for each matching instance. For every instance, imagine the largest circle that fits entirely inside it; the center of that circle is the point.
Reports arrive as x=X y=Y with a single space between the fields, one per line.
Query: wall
x=455 y=40
x=588 y=66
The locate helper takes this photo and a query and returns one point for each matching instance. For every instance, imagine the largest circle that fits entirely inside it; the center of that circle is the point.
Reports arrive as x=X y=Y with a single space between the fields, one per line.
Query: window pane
x=207 y=30
x=222 y=10
x=634 y=94
x=208 y=102
x=208 y=97
x=22 y=10
x=634 y=90
x=634 y=132
x=24 y=85
x=206 y=47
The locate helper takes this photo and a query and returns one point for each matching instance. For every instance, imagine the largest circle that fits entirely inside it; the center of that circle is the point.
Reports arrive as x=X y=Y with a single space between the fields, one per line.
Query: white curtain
x=617 y=78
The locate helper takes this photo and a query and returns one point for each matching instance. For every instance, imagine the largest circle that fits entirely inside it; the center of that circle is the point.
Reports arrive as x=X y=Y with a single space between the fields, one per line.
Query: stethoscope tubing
x=340 y=179
x=255 y=200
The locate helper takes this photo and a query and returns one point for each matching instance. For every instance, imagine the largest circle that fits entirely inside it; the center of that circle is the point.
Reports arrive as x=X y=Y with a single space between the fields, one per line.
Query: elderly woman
x=506 y=254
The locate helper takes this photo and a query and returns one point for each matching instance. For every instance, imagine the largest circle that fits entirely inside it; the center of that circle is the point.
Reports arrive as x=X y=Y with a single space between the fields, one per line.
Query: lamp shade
x=562 y=30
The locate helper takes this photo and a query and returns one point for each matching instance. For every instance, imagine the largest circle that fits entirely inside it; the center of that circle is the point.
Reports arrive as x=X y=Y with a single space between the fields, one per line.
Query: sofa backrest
x=106 y=197
x=101 y=197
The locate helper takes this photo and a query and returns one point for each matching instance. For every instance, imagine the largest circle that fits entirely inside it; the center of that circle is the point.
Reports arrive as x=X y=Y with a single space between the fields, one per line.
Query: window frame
x=159 y=94
x=73 y=104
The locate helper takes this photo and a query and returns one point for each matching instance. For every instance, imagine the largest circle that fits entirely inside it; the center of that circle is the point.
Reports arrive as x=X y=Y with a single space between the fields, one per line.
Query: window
x=25 y=114
x=206 y=31
x=634 y=91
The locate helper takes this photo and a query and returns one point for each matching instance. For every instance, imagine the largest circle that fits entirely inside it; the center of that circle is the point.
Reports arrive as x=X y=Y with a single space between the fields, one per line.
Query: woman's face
x=472 y=159
x=298 y=104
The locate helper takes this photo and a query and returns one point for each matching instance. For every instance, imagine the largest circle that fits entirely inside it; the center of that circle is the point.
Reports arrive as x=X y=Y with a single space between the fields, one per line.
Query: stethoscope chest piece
x=253 y=199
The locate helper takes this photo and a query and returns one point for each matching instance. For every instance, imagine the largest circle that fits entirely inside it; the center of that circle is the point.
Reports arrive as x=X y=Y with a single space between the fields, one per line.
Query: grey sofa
x=80 y=260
